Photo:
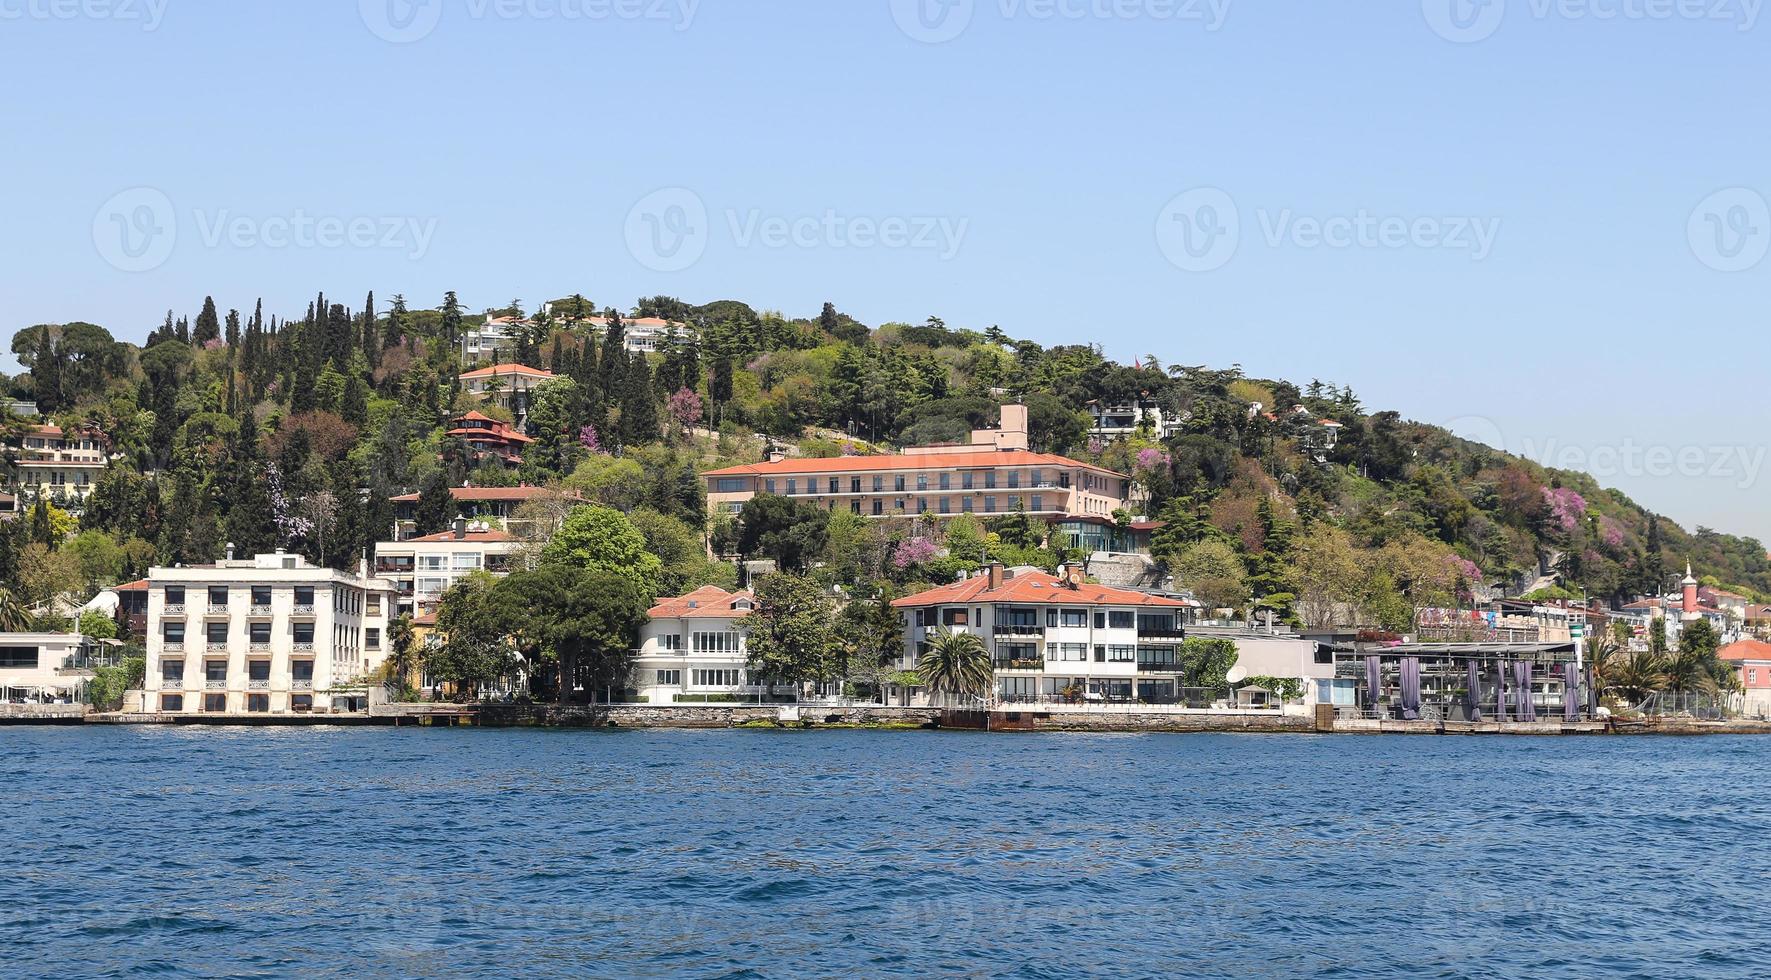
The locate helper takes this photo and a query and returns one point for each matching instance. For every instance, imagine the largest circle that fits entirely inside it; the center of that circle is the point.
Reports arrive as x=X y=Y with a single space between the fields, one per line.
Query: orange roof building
x=694 y=647
x=509 y=385
x=490 y=439
x=995 y=474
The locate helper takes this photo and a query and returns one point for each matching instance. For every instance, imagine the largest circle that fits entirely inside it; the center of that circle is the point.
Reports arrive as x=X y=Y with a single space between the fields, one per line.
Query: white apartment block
x=61 y=466
x=695 y=645
x=273 y=635
x=423 y=568
x=1057 y=637
x=1117 y=421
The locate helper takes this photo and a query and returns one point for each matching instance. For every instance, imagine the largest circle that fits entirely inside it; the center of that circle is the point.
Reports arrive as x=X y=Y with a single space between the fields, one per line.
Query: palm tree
x=1605 y=654
x=14 y=617
x=1635 y=676
x=956 y=664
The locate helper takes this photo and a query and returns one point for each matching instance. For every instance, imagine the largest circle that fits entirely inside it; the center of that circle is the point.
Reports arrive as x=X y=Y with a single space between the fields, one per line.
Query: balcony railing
x=1018 y=663
x=304 y=646
x=1174 y=632
x=215 y=684
x=215 y=610
x=259 y=609
x=173 y=609
x=301 y=685
x=258 y=685
x=304 y=609
x=1160 y=668
x=1019 y=629
x=259 y=646
x=171 y=683
x=215 y=646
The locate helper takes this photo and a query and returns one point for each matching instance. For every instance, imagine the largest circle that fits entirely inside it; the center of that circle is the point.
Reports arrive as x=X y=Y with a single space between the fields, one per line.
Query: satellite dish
x=1236 y=674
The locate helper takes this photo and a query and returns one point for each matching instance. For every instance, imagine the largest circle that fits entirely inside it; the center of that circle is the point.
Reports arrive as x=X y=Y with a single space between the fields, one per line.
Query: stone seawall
x=698 y=716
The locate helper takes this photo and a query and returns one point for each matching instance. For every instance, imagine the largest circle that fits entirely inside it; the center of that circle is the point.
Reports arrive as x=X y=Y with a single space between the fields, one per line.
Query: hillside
x=296 y=431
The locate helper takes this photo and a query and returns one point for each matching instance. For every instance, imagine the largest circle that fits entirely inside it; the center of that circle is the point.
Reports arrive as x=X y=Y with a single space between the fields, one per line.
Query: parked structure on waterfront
x=421 y=569
x=995 y=474
x=271 y=634
x=695 y=647
x=1479 y=681
x=49 y=667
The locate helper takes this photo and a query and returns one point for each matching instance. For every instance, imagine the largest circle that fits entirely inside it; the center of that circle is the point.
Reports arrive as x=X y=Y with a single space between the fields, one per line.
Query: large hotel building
x=996 y=474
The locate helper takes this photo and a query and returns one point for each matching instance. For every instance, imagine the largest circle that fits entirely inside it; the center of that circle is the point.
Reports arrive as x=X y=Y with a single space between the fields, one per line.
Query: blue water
x=318 y=852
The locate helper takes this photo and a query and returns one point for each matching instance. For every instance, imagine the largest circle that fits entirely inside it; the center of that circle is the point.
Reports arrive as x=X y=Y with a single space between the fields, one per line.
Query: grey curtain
x=1571 y=696
x=1473 y=699
x=1500 y=690
x=1373 y=678
x=1522 y=677
x=1410 y=688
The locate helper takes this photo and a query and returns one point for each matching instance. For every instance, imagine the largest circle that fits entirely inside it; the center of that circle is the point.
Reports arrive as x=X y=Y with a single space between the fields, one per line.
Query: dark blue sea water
x=318 y=852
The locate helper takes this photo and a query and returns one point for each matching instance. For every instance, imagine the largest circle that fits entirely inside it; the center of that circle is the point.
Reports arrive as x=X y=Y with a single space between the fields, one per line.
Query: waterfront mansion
x=694 y=646
x=1057 y=637
x=272 y=634
x=995 y=474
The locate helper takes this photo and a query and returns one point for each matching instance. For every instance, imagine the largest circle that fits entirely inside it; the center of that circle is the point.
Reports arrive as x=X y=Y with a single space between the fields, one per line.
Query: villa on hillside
x=423 y=568
x=506 y=385
x=490 y=439
x=495 y=505
x=996 y=474
x=62 y=467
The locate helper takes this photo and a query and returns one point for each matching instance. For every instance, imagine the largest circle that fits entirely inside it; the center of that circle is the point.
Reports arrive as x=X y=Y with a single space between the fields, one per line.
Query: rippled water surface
x=495 y=853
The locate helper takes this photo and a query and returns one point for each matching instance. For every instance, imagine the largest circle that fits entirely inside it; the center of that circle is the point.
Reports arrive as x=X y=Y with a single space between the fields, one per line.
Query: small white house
x=694 y=647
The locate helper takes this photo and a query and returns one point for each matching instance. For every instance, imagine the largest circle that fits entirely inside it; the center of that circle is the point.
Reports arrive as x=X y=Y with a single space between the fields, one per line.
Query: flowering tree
x=684 y=408
x=912 y=551
x=1566 y=508
x=588 y=438
x=290 y=525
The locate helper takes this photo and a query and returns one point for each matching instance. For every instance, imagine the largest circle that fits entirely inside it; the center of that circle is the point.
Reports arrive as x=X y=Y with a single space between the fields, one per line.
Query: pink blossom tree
x=684 y=408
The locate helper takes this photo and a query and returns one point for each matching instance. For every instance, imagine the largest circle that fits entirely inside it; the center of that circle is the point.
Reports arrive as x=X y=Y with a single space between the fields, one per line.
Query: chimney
x=995 y=576
x=775 y=454
x=460 y=527
x=230 y=551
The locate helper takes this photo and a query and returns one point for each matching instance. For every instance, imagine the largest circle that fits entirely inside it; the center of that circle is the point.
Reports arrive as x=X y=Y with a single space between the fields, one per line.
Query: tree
x=639 y=404
x=1206 y=663
x=602 y=539
x=14 y=617
x=872 y=635
x=1328 y=576
x=1212 y=571
x=792 y=631
x=97 y=625
x=792 y=532
x=476 y=650
x=584 y=620
x=436 y=505
x=682 y=554
x=956 y=667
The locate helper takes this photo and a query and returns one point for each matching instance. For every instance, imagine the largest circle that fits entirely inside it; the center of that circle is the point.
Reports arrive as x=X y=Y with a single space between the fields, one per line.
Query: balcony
x=300 y=684
x=1019 y=629
x=215 y=646
x=1160 y=668
x=172 y=609
x=303 y=646
x=1018 y=663
x=171 y=683
x=259 y=646
x=258 y=685
x=259 y=610
x=215 y=684
x=1172 y=631
x=217 y=612
x=304 y=609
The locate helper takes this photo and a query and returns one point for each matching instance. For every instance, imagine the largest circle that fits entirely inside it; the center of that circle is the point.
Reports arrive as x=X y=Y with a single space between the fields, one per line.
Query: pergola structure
x=1478 y=681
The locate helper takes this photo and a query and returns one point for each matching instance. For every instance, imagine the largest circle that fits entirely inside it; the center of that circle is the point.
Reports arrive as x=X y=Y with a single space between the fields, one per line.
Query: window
x=215 y=632
x=215 y=670
x=1073 y=617
x=1051 y=618
x=1014 y=480
x=854 y=507
x=716 y=678
x=1069 y=652
x=1121 y=654
x=878 y=484
x=260 y=703
x=953 y=617
x=173 y=633
x=261 y=595
x=898 y=483
x=792 y=486
x=215 y=702
x=174 y=595
x=990 y=479
x=836 y=484
x=304 y=632
x=1100 y=654
x=965 y=505
x=304 y=595
x=946 y=481
x=1121 y=619
x=299 y=670
x=671 y=642
x=729 y=484
x=466 y=561
x=171 y=702
x=172 y=670
x=1038 y=503
x=878 y=507
x=374 y=604
x=1014 y=502
x=989 y=505
x=922 y=481
x=301 y=702
x=372 y=638
x=769 y=485
x=431 y=563
x=725 y=641
x=260 y=670
x=965 y=481
x=670 y=678
x=218 y=595
x=18 y=658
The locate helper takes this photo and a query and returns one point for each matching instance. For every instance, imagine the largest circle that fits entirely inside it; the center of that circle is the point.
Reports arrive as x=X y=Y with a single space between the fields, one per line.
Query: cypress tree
x=639 y=405
x=208 y=324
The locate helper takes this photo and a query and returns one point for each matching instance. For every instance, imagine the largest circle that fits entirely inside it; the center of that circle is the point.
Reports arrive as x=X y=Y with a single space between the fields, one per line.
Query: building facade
x=47 y=667
x=1057 y=638
x=60 y=466
x=507 y=385
x=270 y=635
x=421 y=569
x=695 y=646
x=496 y=506
x=996 y=475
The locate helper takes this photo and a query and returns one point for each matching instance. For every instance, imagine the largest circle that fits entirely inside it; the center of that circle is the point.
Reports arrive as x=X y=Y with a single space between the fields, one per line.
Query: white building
x=47 y=667
x=423 y=568
x=508 y=385
x=270 y=635
x=642 y=335
x=496 y=335
x=695 y=645
x=1117 y=421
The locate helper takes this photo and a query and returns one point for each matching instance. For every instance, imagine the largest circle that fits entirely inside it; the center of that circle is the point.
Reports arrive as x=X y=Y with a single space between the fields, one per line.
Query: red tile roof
x=139 y=585
x=498 y=370
x=707 y=602
x=483 y=536
x=488 y=494
x=1746 y=650
x=1033 y=587
x=958 y=459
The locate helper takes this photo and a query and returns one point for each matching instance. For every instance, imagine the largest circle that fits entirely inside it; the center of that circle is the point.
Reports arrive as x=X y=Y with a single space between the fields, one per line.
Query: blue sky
x=1549 y=217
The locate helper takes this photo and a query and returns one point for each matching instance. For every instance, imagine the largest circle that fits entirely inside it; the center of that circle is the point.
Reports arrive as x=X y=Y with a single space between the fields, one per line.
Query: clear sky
x=1542 y=221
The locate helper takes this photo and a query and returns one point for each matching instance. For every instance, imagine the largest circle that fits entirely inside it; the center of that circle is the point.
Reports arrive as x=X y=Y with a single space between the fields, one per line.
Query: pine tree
x=208 y=324
x=436 y=505
x=639 y=404
x=451 y=310
x=614 y=360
